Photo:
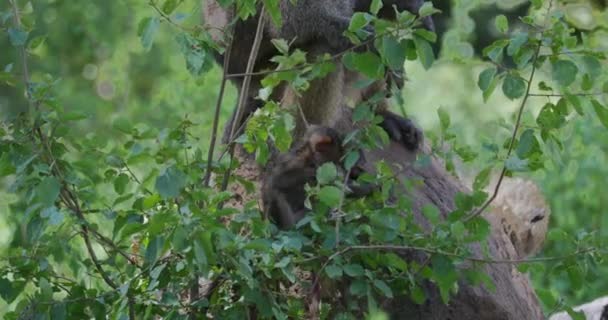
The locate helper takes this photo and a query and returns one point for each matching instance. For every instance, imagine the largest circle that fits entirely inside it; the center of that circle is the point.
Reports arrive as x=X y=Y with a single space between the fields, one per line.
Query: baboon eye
x=538 y=218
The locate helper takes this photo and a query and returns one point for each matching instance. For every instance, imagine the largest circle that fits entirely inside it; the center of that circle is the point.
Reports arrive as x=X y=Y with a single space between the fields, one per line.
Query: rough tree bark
x=514 y=297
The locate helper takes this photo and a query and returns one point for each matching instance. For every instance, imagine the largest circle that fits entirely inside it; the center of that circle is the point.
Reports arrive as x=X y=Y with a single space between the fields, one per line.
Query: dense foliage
x=107 y=112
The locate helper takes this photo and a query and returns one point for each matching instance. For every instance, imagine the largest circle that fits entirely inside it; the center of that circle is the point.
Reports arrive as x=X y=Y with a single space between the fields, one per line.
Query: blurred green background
x=93 y=48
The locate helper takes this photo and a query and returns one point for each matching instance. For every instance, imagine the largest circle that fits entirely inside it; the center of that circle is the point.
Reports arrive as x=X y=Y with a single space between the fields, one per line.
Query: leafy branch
x=403 y=249
x=243 y=92
x=503 y=172
x=67 y=195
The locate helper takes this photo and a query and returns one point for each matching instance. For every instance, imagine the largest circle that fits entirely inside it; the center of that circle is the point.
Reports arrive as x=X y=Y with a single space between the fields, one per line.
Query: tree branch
x=244 y=91
x=515 y=131
x=449 y=254
x=68 y=197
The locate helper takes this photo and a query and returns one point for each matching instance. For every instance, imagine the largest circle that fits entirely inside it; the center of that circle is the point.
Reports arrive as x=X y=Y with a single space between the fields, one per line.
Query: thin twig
x=570 y=94
x=515 y=131
x=300 y=67
x=244 y=92
x=443 y=253
x=341 y=203
x=216 y=117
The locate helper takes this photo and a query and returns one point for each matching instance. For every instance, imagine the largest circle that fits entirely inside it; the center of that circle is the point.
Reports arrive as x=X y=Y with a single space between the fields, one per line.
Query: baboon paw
x=402 y=130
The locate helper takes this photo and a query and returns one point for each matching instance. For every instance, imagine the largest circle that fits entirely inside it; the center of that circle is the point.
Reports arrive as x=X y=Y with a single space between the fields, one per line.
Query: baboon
x=317 y=26
x=283 y=191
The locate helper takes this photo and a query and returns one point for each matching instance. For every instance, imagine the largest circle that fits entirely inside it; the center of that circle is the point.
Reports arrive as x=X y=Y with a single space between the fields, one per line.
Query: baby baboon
x=283 y=192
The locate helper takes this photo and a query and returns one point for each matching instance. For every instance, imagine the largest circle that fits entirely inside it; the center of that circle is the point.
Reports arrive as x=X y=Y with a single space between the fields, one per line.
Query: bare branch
x=243 y=92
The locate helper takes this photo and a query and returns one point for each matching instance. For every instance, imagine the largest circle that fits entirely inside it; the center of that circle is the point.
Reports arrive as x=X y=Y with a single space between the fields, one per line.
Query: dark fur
x=317 y=26
x=283 y=192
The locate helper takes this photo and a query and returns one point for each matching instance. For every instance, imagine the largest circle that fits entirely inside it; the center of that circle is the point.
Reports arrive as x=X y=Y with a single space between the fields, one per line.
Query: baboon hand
x=402 y=130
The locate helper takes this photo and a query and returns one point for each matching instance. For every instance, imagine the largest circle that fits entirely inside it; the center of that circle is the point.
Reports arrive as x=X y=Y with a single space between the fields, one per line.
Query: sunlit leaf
x=170 y=182
x=564 y=72
x=501 y=23
x=513 y=86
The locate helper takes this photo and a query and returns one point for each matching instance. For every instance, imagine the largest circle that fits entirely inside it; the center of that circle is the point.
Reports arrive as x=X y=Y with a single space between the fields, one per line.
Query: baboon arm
x=285 y=216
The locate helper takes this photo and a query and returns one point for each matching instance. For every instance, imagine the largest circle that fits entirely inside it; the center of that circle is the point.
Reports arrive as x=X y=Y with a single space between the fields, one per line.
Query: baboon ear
x=321 y=143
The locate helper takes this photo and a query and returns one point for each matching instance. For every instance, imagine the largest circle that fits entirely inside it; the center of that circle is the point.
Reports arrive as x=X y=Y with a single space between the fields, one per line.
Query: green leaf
x=494 y=51
x=537 y=4
x=327 y=173
x=393 y=52
x=427 y=9
x=501 y=23
x=203 y=251
x=120 y=183
x=482 y=179
x=368 y=63
x=150 y=201
x=466 y=153
x=564 y=72
x=458 y=229
x=515 y=164
x=281 y=45
x=170 y=182
x=417 y=295
x=351 y=159
x=587 y=83
x=444 y=118
x=6 y=167
x=59 y=311
x=17 y=36
x=358 y=288
x=354 y=270
x=384 y=288
x=523 y=57
x=170 y=5
x=426 y=34
x=527 y=144
x=148 y=28
x=375 y=6
x=35 y=42
x=154 y=249
x=53 y=214
x=123 y=125
x=196 y=55
x=576 y=315
x=424 y=51
x=547 y=297
x=513 y=86
x=74 y=115
x=358 y=21
x=330 y=196
x=601 y=111
x=516 y=42
x=592 y=66
x=575 y=101
x=7 y=291
x=333 y=271
x=48 y=191
x=549 y=117
x=485 y=78
x=432 y=213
